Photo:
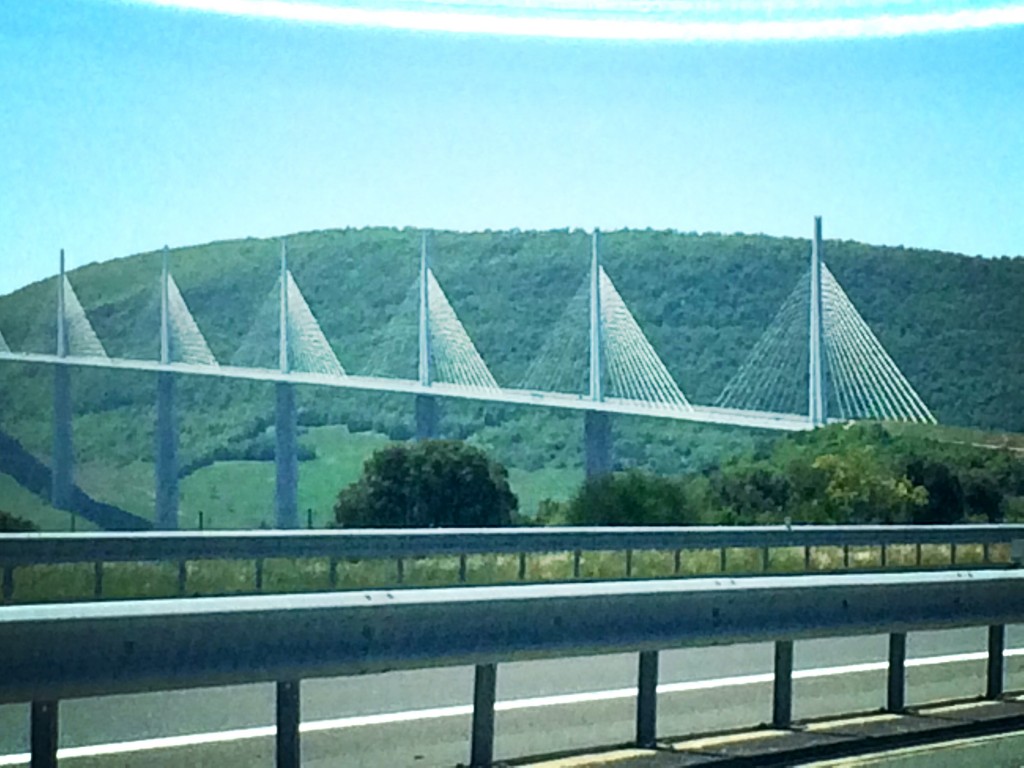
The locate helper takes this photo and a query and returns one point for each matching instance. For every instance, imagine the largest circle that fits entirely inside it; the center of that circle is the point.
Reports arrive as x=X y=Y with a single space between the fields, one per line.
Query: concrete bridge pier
x=63 y=456
x=597 y=443
x=286 y=456
x=166 y=518
x=428 y=417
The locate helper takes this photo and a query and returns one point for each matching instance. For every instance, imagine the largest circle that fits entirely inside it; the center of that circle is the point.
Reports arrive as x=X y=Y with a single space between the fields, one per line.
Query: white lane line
x=464 y=710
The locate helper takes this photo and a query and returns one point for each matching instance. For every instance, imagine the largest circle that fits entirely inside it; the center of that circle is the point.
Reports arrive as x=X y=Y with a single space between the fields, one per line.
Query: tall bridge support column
x=286 y=457
x=63 y=456
x=427 y=417
x=166 y=517
x=597 y=443
x=817 y=401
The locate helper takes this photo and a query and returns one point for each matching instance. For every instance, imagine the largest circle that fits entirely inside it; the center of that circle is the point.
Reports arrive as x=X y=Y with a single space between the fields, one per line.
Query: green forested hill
x=954 y=325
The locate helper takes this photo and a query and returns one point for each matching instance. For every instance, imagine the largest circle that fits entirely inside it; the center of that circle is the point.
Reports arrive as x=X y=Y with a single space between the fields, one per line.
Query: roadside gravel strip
x=436 y=713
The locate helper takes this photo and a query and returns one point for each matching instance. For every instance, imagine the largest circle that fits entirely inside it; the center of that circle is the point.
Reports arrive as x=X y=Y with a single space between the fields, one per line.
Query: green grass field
x=240 y=494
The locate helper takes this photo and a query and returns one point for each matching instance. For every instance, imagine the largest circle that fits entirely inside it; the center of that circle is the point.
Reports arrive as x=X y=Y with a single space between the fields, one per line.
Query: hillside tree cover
x=954 y=324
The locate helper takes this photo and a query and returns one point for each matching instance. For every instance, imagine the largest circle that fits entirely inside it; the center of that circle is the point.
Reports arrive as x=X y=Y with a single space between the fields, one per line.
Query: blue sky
x=125 y=126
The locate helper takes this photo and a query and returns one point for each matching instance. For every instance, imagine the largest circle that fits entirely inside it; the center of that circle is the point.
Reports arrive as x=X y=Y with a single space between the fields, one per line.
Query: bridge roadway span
x=421 y=718
x=702 y=414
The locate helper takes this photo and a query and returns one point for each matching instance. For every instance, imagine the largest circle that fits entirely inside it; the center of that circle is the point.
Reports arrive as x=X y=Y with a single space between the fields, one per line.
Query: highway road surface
x=421 y=718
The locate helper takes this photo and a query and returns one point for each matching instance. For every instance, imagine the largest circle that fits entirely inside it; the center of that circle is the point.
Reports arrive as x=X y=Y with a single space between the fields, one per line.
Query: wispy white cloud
x=686 y=21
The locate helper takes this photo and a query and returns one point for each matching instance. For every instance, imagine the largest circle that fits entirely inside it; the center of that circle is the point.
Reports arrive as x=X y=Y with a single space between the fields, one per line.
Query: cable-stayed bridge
x=817 y=337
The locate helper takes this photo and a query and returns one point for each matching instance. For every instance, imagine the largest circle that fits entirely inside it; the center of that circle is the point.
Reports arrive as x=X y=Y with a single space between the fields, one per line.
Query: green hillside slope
x=954 y=325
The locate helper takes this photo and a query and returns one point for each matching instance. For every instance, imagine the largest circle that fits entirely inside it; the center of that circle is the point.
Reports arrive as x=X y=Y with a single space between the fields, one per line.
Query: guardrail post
x=766 y=559
x=288 y=716
x=996 y=648
x=97 y=581
x=332 y=570
x=522 y=566
x=629 y=563
x=484 y=688
x=677 y=562
x=8 y=586
x=647 y=700
x=43 y=737
x=782 y=691
x=462 y=568
x=259 y=574
x=182 y=576
x=896 y=692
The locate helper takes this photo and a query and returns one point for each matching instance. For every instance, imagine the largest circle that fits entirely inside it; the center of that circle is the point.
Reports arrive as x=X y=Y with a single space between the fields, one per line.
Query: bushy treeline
x=842 y=474
x=11 y=524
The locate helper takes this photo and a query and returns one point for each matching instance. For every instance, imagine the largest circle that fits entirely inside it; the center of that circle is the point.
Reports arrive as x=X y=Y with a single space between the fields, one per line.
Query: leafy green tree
x=11 y=524
x=945 y=502
x=633 y=497
x=433 y=483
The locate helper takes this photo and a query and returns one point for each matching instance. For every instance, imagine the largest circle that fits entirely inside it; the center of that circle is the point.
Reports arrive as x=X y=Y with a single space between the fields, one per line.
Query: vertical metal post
x=896 y=691
x=629 y=563
x=782 y=691
x=288 y=716
x=166 y=517
x=182 y=576
x=462 y=568
x=816 y=413
x=8 y=584
x=97 y=579
x=522 y=566
x=996 y=648
x=259 y=574
x=484 y=690
x=43 y=729
x=576 y=563
x=647 y=700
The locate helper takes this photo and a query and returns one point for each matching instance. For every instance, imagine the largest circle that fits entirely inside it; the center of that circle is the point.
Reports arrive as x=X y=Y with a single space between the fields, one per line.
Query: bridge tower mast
x=63 y=456
x=286 y=457
x=426 y=405
x=166 y=517
x=597 y=428
x=817 y=399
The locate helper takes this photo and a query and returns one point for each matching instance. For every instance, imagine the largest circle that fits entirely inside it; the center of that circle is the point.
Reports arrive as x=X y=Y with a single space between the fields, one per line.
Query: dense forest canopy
x=953 y=324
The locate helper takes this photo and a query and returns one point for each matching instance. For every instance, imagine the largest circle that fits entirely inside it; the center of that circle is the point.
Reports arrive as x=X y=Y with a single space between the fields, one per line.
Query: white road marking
x=464 y=710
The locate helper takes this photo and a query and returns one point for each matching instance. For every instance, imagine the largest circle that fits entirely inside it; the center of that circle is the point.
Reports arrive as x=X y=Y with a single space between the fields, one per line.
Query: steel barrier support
x=647 y=700
x=288 y=717
x=166 y=454
x=996 y=648
x=484 y=689
x=8 y=585
x=782 y=690
x=43 y=729
x=597 y=443
x=896 y=690
x=286 y=458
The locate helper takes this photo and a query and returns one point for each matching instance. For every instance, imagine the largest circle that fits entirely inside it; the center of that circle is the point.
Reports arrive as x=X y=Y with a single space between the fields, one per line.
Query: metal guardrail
x=168 y=644
x=30 y=549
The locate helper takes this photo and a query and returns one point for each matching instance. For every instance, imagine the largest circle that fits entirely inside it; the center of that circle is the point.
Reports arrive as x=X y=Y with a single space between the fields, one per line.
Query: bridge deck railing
x=139 y=646
x=721 y=549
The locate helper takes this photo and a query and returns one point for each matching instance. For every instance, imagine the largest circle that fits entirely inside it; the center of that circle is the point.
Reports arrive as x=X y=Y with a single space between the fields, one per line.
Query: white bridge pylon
x=186 y=341
x=854 y=368
x=80 y=337
x=634 y=369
